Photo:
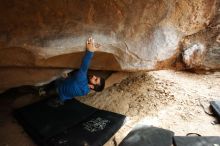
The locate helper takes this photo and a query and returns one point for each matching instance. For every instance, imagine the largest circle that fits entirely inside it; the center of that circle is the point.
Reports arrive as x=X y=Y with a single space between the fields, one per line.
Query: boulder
x=134 y=34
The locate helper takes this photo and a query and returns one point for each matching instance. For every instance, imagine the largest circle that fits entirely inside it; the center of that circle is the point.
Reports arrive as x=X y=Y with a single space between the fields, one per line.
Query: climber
x=77 y=84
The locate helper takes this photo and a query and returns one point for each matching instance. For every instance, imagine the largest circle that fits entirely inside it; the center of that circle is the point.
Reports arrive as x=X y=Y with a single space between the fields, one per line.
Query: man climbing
x=78 y=84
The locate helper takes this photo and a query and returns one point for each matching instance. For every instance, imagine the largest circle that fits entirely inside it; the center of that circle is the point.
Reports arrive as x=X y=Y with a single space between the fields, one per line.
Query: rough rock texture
x=134 y=34
x=202 y=50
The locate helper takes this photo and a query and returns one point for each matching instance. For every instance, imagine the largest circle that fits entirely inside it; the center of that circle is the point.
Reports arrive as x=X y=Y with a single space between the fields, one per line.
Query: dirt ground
x=166 y=99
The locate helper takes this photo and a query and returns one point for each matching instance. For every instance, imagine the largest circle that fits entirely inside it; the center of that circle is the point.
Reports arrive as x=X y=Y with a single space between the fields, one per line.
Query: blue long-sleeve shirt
x=76 y=85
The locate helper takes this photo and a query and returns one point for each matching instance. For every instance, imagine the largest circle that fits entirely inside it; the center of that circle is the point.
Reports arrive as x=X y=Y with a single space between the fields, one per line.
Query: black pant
x=49 y=89
x=19 y=91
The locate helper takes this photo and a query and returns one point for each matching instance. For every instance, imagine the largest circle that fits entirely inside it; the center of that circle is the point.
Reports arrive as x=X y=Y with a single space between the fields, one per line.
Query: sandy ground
x=166 y=99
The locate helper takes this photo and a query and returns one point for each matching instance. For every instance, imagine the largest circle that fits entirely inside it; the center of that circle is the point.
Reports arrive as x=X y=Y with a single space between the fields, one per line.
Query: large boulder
x=134 y=34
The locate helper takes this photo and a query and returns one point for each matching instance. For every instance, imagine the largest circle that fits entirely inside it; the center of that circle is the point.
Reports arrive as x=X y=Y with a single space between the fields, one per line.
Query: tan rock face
x=202 y=50
x=134 y=34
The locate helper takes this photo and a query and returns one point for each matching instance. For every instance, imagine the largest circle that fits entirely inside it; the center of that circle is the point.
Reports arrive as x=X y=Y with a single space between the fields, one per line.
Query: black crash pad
x=215 y=105
x=197 y=141
x=74 y=124
x=148 y=136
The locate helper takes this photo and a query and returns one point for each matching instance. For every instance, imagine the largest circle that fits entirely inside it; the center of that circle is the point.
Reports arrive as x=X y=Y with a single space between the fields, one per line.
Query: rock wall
x=202 y=50
x=134 y=34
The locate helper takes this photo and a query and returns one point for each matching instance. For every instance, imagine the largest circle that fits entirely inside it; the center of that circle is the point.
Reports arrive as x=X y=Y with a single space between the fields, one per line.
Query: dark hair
x=101 y=86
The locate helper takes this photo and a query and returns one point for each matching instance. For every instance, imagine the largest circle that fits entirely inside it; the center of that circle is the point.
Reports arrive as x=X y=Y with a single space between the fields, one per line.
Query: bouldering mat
x=197 y=141
x=148 y=136
x=215 y=105
x=74 y=124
